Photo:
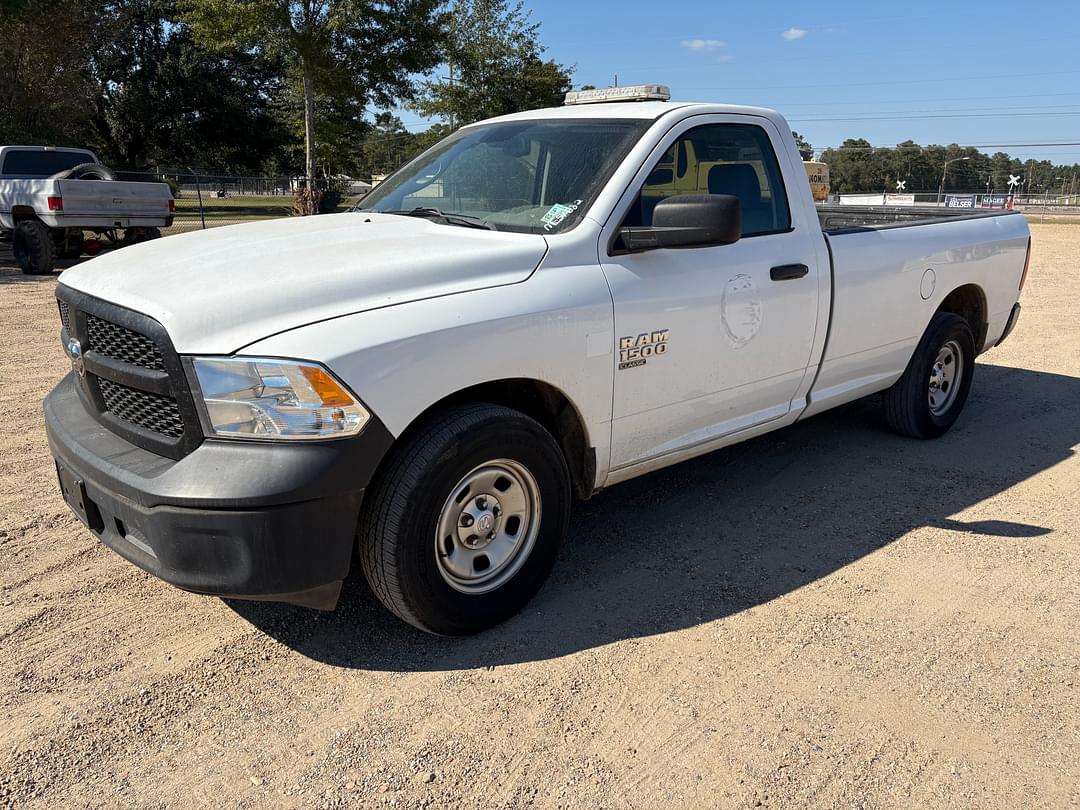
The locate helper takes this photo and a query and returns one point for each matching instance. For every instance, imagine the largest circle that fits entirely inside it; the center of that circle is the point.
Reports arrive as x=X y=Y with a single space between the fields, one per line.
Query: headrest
x=738 y=179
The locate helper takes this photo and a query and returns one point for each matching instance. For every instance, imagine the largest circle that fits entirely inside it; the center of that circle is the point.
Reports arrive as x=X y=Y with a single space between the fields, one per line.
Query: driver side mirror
x=684 y=221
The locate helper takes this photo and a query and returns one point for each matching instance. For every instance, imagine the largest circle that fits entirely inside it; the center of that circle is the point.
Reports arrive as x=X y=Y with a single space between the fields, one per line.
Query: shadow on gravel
x=731 y=530
x=11 y=274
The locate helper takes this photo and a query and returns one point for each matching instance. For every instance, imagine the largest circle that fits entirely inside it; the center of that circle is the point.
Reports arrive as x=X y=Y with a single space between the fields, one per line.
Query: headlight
x=263 y=398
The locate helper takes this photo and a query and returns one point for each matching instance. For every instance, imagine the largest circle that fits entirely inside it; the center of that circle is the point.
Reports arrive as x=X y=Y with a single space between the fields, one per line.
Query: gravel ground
x=828 y=616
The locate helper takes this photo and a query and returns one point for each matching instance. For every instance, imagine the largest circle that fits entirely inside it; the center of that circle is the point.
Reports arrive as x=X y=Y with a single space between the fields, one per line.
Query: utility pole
x=941 y=188
x=450 y=78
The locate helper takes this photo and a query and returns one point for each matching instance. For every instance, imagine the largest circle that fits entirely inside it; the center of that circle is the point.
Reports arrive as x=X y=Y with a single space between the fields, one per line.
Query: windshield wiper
x=464 y=220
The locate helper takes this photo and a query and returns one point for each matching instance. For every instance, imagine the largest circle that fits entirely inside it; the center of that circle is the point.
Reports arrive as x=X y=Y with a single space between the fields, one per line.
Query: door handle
x=787 y=272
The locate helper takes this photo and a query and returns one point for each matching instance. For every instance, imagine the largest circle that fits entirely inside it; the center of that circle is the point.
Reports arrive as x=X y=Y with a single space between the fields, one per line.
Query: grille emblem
x=74 y=350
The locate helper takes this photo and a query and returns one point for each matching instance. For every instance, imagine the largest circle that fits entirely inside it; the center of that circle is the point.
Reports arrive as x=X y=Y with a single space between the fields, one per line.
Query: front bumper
x=253 y=520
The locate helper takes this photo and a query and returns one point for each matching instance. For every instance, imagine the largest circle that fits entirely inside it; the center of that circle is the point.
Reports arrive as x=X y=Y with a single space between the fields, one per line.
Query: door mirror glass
x=688 y=220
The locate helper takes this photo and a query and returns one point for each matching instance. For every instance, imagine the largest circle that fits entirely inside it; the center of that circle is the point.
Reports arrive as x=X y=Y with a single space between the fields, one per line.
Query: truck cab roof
x=641 y=110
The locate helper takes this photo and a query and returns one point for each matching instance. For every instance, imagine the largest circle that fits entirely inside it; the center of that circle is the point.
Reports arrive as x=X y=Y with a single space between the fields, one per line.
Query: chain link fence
x=211 y=200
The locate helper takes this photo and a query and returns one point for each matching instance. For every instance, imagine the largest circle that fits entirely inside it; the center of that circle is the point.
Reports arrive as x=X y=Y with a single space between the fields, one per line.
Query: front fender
x=556 y=327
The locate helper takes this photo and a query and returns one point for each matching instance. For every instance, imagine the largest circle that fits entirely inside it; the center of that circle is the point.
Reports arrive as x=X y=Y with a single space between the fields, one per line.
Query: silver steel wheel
x=488 y=526
x=945 y=377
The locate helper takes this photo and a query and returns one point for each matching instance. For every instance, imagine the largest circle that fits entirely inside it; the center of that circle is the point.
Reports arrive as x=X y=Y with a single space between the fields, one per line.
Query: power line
x=903 y=81
x=831 y=102
x=935 y=117
x=919 y=147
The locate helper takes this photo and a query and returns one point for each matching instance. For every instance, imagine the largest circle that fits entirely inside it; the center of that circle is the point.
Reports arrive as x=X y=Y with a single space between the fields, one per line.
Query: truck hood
x=216 y=291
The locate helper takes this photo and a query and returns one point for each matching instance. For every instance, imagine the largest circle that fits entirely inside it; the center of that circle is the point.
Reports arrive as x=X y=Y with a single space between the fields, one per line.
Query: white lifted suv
x=525 y=313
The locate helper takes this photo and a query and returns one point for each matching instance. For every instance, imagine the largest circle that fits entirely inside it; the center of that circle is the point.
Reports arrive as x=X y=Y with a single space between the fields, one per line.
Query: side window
x=735 y=159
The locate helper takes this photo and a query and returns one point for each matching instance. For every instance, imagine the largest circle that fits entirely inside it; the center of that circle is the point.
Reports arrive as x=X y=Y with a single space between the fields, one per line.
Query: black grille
x=122 y=344
x=150 y=411
x=132 y=380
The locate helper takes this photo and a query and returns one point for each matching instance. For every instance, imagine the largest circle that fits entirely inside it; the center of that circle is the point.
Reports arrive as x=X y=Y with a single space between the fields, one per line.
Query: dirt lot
x=828 y=616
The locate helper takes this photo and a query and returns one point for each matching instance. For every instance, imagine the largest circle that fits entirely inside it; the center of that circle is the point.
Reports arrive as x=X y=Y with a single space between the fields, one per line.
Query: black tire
x=907 y=404
x=85 y=171
x=32 y=245
x=402 y=508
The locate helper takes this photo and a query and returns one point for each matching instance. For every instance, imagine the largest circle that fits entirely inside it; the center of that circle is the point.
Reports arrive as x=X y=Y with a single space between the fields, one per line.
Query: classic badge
x=635 y=351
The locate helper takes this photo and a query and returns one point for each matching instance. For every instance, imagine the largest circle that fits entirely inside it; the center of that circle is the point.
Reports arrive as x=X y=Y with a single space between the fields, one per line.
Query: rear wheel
x=463 y=524
x=33 y=248
x=928 y=398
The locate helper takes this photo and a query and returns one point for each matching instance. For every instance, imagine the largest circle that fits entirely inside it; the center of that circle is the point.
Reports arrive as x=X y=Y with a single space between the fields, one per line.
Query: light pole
x=941 y=188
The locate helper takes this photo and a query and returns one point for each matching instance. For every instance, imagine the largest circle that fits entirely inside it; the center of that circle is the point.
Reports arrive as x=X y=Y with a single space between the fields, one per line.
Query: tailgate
x=110 y=198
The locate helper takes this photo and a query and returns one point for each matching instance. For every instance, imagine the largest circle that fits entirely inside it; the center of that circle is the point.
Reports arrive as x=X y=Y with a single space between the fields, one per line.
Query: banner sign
x=862 y=199
x=960 y=200
x=899 y=199
x=993 y=201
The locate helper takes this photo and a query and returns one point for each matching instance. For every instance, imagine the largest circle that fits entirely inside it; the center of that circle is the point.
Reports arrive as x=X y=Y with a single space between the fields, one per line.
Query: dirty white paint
x=741 y=310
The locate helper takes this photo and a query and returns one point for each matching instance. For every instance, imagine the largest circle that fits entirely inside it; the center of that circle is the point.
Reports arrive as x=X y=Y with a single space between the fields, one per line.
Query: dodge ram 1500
x=528 y=312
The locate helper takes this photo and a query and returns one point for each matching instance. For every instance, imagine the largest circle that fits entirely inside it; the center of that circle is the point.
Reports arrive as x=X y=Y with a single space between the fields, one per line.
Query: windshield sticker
x=557 y=213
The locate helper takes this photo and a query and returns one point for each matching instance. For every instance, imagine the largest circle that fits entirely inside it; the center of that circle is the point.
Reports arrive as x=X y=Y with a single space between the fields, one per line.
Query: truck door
x=713 y=340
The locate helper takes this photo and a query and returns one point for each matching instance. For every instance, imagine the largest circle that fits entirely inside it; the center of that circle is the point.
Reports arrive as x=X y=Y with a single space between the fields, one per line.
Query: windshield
x=526 y=176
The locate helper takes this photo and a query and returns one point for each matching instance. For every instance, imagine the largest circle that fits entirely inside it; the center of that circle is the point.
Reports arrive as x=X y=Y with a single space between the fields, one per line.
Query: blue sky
x=936 y=72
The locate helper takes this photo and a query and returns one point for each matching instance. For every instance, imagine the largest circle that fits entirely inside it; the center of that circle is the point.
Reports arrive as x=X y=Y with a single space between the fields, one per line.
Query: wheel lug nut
x=491 y=535
x=496 y=511
x=467 y=520
x=481 y=502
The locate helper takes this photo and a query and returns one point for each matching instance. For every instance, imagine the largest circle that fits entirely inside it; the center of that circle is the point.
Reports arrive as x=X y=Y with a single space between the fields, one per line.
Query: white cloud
x=793 y=33
x=703 y=44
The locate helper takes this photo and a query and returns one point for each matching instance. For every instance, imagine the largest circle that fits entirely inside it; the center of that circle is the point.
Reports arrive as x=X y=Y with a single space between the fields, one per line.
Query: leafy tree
x=164 y=100
x=428 y=138
x=386 y=145
x=495 y=64
x=46 y=89
x=359 y=51
x=805 y=149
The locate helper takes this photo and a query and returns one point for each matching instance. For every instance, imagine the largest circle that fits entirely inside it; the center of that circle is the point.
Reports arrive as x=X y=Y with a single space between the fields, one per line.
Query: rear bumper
x=254 y=520
x=1010 y=324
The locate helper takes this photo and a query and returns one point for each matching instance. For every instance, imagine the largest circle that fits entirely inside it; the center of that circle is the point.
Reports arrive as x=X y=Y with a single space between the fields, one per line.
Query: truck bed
x=890 y=277
x=843 y=218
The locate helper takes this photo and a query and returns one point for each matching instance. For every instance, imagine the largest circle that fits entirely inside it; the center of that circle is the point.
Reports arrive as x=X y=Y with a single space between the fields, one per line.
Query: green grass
x=191 y=202
x=1051 y=219
x=231 y=212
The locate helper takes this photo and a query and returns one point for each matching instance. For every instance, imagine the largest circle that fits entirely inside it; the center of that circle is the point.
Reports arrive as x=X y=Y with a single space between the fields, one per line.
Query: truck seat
x=741 y=180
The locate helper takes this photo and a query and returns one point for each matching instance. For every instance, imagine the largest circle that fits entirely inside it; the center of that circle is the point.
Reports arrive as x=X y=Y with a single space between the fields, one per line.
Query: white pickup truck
x=511 y=320
x=49 y=196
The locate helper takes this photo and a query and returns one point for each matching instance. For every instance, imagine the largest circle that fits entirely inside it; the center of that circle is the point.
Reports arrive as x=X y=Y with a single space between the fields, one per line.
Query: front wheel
x=463 y=524
x=928 y=398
